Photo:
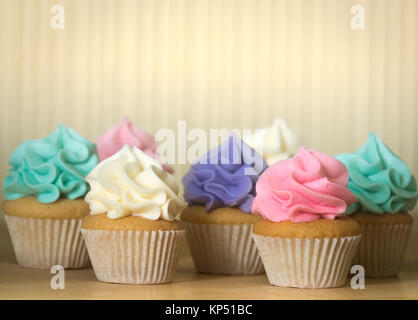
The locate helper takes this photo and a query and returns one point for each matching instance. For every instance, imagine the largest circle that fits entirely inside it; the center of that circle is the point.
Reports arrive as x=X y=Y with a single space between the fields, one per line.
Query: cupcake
x=304 y=239
x=44 y=203
x=219 y=189
x=131 y=234
x=386 y=190
x=275 y=143
x=126 y=133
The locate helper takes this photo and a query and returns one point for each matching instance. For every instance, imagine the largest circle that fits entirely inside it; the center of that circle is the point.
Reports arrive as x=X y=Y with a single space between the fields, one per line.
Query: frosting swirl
x=304 y=188
x=275 y=143
x=131 y=182
x=224 y=177
x=380 y=180
x=126 y=133
x=51 y=167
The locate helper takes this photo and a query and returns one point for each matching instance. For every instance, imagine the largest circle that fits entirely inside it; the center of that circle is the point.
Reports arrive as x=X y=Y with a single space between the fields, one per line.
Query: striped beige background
x=216 y=64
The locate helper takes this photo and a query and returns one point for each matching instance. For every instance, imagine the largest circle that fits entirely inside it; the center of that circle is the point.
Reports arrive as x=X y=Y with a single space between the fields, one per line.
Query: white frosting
x=131 y=182
x=275 y=143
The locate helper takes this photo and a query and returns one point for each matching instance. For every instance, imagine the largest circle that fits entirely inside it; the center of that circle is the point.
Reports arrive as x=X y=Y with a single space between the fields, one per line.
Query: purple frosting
x=225 y=176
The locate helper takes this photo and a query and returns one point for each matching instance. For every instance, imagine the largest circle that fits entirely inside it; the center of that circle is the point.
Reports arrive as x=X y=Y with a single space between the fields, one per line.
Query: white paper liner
x=42 y=243
x=307 y=263
x=135 y=257
x=382 y=249
x=223 y=249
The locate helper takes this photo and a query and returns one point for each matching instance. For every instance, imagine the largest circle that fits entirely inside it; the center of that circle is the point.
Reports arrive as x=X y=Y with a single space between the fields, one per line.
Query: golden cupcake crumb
x=364 y=218
x=102 y=222
x=321 y=228
x=30 y=207
x=226 y=215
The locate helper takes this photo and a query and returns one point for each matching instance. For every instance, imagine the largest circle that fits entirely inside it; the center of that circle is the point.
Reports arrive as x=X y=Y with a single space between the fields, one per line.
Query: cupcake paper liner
x=135 y=257
x=223 y=249
x=382 y=249
x=42 y=243
x=307 y=263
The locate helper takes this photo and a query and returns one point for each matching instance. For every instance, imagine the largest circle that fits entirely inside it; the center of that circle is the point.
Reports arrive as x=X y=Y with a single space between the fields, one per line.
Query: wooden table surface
x=20 y=283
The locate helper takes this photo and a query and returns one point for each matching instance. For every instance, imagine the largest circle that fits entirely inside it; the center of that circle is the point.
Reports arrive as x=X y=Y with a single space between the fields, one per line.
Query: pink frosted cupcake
x=125 y=133
x=304 y=239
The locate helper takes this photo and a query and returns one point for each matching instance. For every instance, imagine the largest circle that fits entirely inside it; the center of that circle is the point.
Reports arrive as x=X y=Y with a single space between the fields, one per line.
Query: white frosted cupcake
x=275 y=143
x=132 y=235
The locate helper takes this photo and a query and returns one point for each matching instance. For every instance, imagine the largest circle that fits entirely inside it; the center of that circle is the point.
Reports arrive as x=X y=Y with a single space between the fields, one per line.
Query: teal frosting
x=380 y=180
x=50 y=168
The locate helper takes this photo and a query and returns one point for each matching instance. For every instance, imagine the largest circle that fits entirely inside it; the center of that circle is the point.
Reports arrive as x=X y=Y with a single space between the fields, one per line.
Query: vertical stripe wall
x=216 y=64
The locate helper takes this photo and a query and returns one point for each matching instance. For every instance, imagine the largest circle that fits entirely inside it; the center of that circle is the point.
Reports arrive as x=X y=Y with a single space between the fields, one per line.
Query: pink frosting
x=304 y=188
x=126 y=133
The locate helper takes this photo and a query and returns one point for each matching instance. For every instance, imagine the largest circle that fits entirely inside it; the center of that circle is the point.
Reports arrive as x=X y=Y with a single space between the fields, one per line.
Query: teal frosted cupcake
x=44 y=203
x=386 y=191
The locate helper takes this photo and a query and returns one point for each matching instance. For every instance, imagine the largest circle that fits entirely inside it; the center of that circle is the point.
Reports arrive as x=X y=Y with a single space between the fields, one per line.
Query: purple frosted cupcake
x=220 y=189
